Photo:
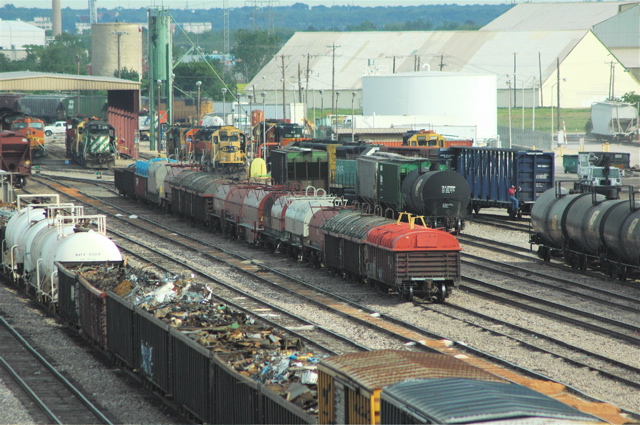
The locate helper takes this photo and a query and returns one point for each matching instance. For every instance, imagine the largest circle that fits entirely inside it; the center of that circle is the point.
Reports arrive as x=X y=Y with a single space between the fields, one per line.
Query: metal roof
x=376 y=369
x=42 y=81
x=374 y=53
x=555 y=16
x=475 y=401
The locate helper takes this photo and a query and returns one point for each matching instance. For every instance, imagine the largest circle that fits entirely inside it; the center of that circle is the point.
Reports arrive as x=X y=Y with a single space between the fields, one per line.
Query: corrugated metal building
x=528 y=42
x=14 y=35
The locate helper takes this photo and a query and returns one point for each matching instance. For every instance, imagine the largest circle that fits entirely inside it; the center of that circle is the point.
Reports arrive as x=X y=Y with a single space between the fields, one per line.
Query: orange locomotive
x=33 y=128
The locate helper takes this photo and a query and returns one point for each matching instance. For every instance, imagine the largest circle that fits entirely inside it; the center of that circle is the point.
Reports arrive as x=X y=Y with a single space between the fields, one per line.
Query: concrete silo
x=116 y=46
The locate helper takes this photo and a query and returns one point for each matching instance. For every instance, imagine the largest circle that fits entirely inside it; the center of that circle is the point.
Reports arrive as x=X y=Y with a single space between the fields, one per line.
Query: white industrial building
x=522 y=49
x=466 y=103
x=15 y=35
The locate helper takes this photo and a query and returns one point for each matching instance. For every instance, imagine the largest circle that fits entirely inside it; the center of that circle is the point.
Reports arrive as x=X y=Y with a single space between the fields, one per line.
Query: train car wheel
x=441 y=294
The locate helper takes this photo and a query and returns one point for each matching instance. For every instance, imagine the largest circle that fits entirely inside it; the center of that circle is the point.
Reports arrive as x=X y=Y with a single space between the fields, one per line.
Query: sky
x=207 y=4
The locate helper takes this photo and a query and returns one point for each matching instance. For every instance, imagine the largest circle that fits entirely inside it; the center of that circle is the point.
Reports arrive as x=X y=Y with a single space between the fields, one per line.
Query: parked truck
x=614 y=121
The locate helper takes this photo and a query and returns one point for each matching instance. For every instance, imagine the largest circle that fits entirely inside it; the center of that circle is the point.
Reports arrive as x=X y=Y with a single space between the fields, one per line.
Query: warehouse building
x=539 y=54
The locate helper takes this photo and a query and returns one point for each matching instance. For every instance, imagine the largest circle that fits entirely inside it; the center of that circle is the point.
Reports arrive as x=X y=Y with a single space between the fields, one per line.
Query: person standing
x=512 y=196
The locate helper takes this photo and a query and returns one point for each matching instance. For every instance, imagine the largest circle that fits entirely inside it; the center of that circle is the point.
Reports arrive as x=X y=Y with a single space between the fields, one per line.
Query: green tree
x=254 y=50
x=59 y=56
x=127 y=74
x=209 y=73
x=631 y=97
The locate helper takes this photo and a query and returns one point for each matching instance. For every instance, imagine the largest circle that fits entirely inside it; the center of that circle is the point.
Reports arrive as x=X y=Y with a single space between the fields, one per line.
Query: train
x=588 y=230
x=33 y=128
x=15 y=157
x=43 y=231
x=91 y=142
x=401 y=387
x=407 y=258
x=217 y=147
x=64 y=259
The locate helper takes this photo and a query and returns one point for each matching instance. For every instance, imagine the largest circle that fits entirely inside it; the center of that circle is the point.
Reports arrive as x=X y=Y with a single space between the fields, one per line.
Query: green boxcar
x=570 y=163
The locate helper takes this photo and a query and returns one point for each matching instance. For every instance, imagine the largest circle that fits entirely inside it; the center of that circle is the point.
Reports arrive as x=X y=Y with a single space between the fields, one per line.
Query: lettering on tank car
x=447 y=205
x=631 y=229
x=448 y=189
x=592 y=219
x=87 y=254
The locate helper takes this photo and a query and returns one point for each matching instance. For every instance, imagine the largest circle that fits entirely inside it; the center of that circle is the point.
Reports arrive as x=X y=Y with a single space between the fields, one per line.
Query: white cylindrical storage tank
x=446 y=98
x=114 y=43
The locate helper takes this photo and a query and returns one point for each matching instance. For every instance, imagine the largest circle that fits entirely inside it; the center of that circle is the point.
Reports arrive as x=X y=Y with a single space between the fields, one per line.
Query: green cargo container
x=391 y=174
x=570 y=163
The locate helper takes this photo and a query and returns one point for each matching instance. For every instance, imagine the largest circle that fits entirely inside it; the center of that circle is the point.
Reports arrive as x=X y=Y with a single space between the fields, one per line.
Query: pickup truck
x=58 y=127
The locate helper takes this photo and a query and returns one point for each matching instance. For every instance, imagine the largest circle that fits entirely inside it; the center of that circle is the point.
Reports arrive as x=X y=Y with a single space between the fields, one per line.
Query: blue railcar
x=490 y=173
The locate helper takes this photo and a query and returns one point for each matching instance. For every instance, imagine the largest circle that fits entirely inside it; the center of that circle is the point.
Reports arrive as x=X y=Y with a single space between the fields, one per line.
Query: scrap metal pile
x=260 y=352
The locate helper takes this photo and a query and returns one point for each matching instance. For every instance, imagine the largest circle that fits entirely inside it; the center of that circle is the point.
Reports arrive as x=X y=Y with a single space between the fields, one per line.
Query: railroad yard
x=572 y=335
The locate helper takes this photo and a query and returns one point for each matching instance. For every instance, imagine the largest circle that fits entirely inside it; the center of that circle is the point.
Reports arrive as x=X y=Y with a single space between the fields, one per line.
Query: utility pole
x=299 y=83
x=306 y=89
x=515 y=86
x=441 y=62
x=558 y=109
x=333 y=80
x=119 y=34
x=284 y=93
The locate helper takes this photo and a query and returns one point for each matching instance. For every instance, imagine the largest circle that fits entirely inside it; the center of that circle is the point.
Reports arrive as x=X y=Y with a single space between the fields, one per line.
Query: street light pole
x=509 y=84
x=159 y=84
x=224 y=106
x=198 y=84
x=249 y=116
x=321 y=107
x=264 y=122
x=353 y=98
x=335 y=117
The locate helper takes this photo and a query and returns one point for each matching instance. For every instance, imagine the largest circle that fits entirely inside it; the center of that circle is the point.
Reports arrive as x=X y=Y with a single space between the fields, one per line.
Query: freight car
x=50 y=108
x=490 y=173
x=401 y=387
x=587 y=230
x=414 y=185
x=33 y=128
x=204 y=384
x=91 y=142
x=15 y=154
x=40 y=234
x=411 y=260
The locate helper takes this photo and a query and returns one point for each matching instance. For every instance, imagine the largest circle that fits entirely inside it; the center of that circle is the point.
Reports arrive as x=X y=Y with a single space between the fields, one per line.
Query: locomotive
x=407 y=258
x=588 y=230
x=91 y=142
x=219 y=147
x=33 y=128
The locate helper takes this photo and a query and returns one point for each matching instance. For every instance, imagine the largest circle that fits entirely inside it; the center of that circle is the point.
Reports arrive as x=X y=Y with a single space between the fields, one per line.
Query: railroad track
x=410 y=334
x=502 y=222
x=53 y=399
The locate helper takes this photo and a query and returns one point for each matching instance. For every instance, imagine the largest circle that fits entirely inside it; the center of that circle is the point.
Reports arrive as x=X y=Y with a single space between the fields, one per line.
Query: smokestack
x=56 y=17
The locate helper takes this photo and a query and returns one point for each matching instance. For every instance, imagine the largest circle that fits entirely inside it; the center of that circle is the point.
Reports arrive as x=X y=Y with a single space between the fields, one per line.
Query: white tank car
x=24 y=217
x=70 y=240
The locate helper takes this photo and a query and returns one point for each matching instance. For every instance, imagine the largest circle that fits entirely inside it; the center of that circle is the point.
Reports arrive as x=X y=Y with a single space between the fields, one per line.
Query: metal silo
x=116 y=46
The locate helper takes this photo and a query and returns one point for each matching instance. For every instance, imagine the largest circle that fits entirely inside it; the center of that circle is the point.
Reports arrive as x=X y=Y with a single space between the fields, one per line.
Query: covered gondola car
x=490 y=173
x=350 y=386
x=415 y=261
x=429 y=401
